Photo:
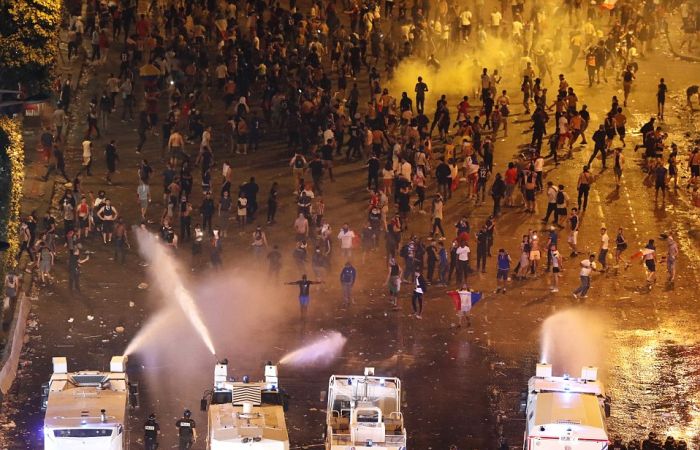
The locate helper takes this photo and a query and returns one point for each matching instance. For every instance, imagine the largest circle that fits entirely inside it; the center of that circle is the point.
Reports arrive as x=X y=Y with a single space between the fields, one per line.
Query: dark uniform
x=150 y=433
x=185 y=427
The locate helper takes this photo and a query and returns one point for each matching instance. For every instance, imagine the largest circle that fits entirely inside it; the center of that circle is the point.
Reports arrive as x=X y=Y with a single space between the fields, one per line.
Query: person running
x=627 y=78
x=620 y=246
x=562 y=203
x=585 y=275
x=304 y=291
x=618 y=163
x=649 y=261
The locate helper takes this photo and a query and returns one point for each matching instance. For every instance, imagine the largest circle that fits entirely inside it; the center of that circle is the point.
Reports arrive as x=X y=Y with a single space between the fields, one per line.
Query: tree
x=29 y=32
x=11 y=185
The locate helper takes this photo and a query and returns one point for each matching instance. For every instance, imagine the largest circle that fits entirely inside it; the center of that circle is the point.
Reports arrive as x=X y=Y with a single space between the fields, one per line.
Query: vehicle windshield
x=82 y=432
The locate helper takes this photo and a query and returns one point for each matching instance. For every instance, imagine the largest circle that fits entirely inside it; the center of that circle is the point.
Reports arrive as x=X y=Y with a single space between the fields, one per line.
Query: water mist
x=572 y=339
x=320 y=352
x=163 y=268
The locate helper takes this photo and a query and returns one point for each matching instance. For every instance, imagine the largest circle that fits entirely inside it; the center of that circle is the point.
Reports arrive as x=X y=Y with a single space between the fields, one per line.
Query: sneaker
x=418 y=316
x=575 y=295
x=554 y=290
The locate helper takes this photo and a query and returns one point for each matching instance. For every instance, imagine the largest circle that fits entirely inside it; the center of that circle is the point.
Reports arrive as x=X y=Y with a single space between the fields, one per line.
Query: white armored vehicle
x=246 y=415
x=363 y=412
x=87 y=409
x=565 y=413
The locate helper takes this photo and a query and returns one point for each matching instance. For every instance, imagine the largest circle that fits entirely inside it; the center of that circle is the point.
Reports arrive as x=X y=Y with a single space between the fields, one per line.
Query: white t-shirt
x=242 y=206
x=563 y=125
x=463 y=253
x=539 y=164
x=466 y=18
x=405 y=170
x=87 y=149
x=346 y=238
x=585 y=268
x=517 y=28
x=604 y=241
x=496 y=18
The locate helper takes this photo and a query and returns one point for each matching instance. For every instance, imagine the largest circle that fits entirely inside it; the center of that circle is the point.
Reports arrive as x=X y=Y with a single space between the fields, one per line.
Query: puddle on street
x=654 y=382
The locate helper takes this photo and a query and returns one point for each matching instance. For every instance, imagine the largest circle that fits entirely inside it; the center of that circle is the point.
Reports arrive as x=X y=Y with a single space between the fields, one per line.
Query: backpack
x=560 y=198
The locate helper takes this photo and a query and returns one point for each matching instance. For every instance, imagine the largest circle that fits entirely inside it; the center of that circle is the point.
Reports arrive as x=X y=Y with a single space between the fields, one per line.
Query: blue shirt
x=503 y=261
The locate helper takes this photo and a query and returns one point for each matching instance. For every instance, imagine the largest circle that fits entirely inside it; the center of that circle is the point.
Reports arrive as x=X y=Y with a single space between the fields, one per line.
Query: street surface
x=462 y=385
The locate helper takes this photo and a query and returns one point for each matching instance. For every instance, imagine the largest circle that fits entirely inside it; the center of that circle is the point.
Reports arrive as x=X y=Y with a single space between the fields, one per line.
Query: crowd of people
x=272 y=67
x=211 y=85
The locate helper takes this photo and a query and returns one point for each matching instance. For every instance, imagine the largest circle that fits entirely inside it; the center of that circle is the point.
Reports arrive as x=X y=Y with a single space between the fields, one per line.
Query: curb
x=10 y=359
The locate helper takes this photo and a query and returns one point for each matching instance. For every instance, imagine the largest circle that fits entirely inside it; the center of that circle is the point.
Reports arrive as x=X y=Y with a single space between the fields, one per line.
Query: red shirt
x=511 y=176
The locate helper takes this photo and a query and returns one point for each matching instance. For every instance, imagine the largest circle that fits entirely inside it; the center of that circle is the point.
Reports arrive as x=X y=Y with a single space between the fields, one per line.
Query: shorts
x=530 y=195
x=502 y=274
x=561 y=212
x=144 y=203
x=328 y=163
x=394 y=285
x=107 y=226
x=651 y=265
x=303 y=300
x=534 y=255
x=621 y=132
x=509 y=190
x=573 y=238
x=660 y=186
x=556 y=269
x=83 y=222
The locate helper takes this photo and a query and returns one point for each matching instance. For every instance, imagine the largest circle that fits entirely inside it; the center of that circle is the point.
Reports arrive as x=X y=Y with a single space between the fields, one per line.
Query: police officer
x=186 y=430
x=151 y=429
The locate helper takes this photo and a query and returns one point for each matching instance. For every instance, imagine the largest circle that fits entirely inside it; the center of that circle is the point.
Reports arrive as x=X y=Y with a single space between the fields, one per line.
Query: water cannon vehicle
x=244 y=414
x=87 y=409
x=566 y=413
x=363 y=412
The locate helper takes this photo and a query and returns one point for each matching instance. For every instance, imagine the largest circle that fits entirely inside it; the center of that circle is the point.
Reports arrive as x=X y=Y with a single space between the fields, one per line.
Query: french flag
x=465 y=300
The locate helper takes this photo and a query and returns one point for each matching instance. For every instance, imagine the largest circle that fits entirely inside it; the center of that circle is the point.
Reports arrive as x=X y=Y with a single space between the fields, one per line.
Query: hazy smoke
x=164 y=269
x=320 y=352
x=572 y=339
